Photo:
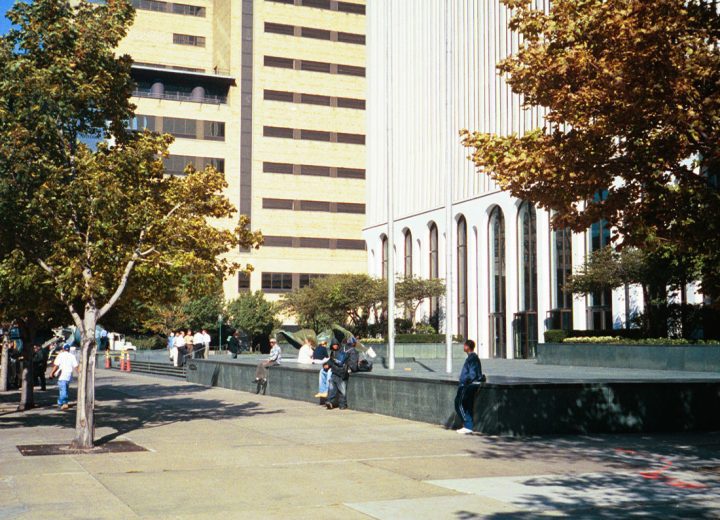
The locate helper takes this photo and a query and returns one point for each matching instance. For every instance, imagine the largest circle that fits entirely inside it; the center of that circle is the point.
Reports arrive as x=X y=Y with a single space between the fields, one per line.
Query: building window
x=462 y=272
x=277 y=131
x=243 y=281
x=277 y=282
x=526 y=321
x=184 y=128
x=150 y=5
x=315 y=171
x=176 y=164
x=351 y=173
x=384 y=260
x=188 y=10
x=317 y=34
x=315 y=66
x=189 y=39
x=408 y=254
x=434 y=272
x=214 y=131
x=358 y=39
x=277 y=204
x=279 y=28
x=270 y=167
x=140 y=122
x=347 y=7
x=314 y=205
x=497 y=283
x=600 y=310
x=306 y=279
x=282 y=63
x=561 y=315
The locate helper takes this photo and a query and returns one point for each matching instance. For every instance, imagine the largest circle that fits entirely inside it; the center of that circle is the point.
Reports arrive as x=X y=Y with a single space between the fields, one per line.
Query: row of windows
x=314 y=205
x=169 y=7
x=313 y=170
x=314 y=243
x=180 y=127
x=176 y=164
x=314 y=99
x=317 y=34
x=314 y=66
x=189 y=39
x=332 y=5
x=281 y=282
x=313 y=135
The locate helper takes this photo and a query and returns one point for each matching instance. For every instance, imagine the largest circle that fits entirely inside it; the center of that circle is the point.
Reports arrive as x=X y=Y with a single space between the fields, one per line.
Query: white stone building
x=431 y=72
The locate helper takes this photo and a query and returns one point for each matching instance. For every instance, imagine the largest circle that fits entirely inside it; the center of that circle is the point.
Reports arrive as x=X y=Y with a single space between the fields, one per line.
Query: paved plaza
x=216 y=453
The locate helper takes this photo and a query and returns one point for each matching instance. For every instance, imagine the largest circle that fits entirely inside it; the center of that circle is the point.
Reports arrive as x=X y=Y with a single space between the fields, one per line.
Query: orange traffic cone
x=107 y=359
x=127 y=363
x=122 y=362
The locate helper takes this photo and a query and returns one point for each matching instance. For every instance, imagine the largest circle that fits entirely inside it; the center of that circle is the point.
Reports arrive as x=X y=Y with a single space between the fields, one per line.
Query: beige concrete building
x=272 y=92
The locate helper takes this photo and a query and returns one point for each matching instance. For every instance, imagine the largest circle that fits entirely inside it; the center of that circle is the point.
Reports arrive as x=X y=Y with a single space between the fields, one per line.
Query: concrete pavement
x=216 y=453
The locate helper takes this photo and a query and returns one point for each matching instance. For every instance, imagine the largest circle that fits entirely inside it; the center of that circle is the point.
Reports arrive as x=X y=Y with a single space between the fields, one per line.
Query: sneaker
x=464 y=431
x=64 y=407
x=320 y=395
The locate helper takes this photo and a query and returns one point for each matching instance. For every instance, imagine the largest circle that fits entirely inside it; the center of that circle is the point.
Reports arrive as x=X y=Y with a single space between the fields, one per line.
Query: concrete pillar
x=511 y=274
x=198 y=94
x=579 y=250
x=544 y=269
x=158 y=89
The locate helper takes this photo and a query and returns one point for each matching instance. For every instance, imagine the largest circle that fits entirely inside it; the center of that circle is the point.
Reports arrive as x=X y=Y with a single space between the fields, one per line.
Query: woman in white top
x=305 y=354
x=179 y=349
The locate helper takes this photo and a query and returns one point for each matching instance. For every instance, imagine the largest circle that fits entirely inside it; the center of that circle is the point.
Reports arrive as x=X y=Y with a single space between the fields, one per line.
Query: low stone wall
x=403 y=350
x=693 y=358
x=513 y=408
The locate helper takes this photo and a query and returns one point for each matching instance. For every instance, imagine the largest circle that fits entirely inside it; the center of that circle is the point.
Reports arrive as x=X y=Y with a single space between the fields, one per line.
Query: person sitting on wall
x=305 y=354
x=272 y=360
x=470 y=377
x=320 y=357
x=341 y=363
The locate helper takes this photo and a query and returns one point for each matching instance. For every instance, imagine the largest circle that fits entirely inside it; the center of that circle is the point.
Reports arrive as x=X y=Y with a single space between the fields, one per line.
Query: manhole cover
x=30 y=450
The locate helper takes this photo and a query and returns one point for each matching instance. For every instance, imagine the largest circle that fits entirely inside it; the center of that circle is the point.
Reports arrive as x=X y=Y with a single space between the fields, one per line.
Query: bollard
x=107 y=359
x=122 y=361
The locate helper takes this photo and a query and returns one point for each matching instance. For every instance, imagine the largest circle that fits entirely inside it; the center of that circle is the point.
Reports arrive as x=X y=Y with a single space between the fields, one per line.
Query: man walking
x=65 y=363
x=470 y=377
x=341 y=364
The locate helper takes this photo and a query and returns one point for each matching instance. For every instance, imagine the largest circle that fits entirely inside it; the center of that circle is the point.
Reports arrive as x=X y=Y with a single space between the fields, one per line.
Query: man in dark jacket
x=341 y=363
x=40 y=360
x=234 y=344
x=470 y=377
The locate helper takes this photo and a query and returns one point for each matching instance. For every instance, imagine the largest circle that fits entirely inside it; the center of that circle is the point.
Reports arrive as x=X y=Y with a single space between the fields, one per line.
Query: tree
x=254 y=315
x=632 y=93
x=346 y=299
x=94 y=220
x=412 y=291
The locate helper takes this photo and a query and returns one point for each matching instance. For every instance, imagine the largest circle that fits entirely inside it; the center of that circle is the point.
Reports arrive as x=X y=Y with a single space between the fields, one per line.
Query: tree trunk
x=85 y=418
x=4 y=361
x=27 y=376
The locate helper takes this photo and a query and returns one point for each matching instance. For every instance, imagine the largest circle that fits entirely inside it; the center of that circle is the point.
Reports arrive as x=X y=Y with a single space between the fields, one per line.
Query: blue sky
x=4 y=6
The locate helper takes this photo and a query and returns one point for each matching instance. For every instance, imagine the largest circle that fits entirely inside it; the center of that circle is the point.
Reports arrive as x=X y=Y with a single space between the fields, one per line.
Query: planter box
x=691 y=358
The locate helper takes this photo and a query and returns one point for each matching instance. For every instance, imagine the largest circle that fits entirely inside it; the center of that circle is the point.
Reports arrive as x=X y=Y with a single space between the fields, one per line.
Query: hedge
x=413 y=338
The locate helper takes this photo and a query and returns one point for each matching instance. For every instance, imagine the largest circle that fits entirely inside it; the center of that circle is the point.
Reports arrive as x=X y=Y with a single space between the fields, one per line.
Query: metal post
x=390 y=192
x=220 y=323
x=448 y=191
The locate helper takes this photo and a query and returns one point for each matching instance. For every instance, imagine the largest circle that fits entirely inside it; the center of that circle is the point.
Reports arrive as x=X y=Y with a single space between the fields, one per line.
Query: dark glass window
x=318 y=171
x=351 y=103
x=314 y=205
x=277 y=282
x=314 y=66
x=351 y=70
x=278 y=95
x=189 y=39
x=314 y=135
x=179 y=127
x=189 y=10
x=497 y=284
x=384 y=258
x=351 y=173
x=350 y=138
x=351 y=38
x=600 y=311
x=276 y=131
x=350 y=244
x=408 y=254
x=274 y=61
x=279 y=28
x=434 y=273
x=347 y=7
x=318 y=34
x=315 y=243
x=462 y=273
x=313 y=99
x=150 y=5
x=270 y=167
x=305 y=279
x=276 y=241
x=243 y=281
x=320 y=4
x=141 y=122
x=278 y=204
x=214 y=131
x=349 y=207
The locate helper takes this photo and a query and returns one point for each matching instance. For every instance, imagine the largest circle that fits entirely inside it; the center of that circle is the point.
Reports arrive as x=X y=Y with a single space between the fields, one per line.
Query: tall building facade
x=432 y=72
x=272 y=93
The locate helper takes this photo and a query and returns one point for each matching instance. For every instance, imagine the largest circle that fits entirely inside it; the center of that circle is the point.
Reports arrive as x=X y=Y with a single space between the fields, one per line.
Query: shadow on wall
x=137 y=407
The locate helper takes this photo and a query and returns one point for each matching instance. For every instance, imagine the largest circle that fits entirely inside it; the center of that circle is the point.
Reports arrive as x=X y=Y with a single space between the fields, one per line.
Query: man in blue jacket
x=470 y=377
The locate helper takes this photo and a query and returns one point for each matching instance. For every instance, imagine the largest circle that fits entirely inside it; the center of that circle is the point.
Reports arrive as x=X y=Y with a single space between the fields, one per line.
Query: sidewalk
x=216 y=453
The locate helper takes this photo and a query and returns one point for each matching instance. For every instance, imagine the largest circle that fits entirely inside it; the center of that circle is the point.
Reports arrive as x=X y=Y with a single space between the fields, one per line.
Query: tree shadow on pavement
x=135 y=407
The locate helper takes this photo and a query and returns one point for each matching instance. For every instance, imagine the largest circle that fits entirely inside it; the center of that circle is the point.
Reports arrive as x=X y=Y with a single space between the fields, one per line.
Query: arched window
x=525 y=321
x=496 y=246
x=462 y=274
x=384 y=265
x=600 y=311
x=561 y=316
x=408 y=253
x=434 y=272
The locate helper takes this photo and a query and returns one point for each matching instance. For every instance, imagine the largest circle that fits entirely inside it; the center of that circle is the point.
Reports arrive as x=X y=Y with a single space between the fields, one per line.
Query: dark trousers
x=182 y=352
x=464 y=400
x=337 y=391
x=39 y=375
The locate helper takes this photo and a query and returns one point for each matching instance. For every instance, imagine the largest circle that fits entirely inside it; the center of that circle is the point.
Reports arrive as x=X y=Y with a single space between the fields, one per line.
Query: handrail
x=177 y=96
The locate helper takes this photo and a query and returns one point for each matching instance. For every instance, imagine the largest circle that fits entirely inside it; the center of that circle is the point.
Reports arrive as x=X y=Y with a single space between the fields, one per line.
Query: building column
x=483 y=287
x=579 y=251
x=544 y=270
x=511 y=274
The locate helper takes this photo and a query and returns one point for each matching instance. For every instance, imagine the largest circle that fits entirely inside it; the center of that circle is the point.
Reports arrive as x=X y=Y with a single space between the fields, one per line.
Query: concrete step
x=160 y=369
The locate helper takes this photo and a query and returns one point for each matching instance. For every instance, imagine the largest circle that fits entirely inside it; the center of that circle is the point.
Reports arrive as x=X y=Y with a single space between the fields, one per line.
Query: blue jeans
x=464 y=400
x=63 y=387
x=337 y=391
x=323 y=380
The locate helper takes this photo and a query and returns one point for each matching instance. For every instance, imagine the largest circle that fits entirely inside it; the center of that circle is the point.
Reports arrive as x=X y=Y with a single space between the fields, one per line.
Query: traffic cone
x=127 y=363
x=122 y=362
x=107 y=359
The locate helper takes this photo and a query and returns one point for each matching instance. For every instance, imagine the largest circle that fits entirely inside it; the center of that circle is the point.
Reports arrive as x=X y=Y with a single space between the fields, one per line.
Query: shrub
x=614 y=340
x=153 y=342
x=555 y=335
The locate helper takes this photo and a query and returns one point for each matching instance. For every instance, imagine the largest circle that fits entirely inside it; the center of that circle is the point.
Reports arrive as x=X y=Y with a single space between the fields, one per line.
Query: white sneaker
x=464 y=431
